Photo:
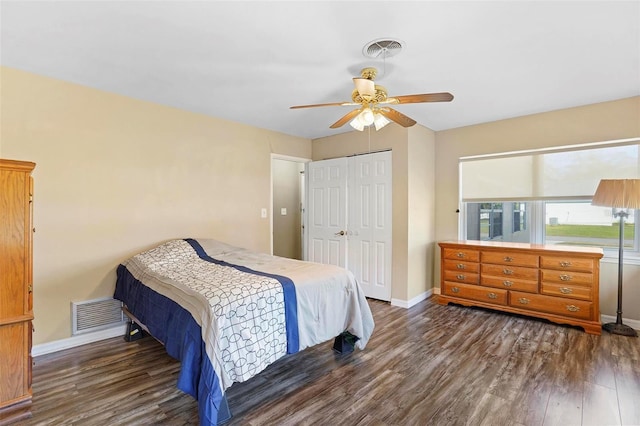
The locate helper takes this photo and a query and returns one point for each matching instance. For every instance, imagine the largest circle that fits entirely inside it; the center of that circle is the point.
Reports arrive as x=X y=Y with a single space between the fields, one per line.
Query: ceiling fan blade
x=397 y=116
x=323 y=105
x=427 y=97
x=345 y=119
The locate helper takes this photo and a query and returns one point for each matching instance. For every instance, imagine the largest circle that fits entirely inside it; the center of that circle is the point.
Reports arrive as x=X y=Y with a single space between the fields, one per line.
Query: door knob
x=339 y=233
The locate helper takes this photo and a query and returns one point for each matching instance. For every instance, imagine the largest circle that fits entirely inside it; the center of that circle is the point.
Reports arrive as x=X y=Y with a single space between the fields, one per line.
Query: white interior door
x=326 y=211
x=348 y=220
x=369 y=223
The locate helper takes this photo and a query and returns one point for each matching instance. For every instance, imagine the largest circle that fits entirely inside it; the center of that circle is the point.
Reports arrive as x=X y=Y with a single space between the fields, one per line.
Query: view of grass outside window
x=584 y=224
x=567 y=223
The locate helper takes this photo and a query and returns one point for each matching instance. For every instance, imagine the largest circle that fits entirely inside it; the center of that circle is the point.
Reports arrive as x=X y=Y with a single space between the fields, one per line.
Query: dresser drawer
x=510 y=272
x=552 y=305
x=509 y=258
x=567 y=263
x=566 y=277
x=462 y=254
x=510 y=283
x=462 y=277
x=461 y=266
x=566 y=290
x=478 y=293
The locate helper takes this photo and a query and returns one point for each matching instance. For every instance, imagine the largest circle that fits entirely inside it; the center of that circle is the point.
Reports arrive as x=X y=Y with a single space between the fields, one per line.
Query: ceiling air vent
x=383 y=47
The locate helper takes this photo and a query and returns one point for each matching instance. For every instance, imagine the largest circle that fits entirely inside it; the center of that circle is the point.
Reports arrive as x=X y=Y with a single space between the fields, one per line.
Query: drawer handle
x=455 y=289
x=565 y=290
x=524 y=301
x=492 y=296
x=460 y=255
x=460 y=277
x=507 y=271
x=565 y=277
x=460 y=266
x=507 y=283
x=508 y=259
x=565 y=264
x=573 y=308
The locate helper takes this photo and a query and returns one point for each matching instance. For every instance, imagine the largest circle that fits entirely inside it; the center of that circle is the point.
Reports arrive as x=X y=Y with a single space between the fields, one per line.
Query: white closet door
x=326 y=211
x=369 y=223
x=348 y=219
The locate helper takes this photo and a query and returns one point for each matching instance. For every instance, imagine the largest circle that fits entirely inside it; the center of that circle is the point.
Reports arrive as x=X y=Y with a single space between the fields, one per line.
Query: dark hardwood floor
x=428 y=365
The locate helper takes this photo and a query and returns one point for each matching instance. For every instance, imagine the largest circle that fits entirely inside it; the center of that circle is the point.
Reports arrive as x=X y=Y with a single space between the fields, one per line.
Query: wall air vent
x=97 y=314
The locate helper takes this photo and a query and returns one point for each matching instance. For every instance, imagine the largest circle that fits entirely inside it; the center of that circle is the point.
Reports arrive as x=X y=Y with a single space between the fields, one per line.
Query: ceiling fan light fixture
x=366 y=117
x=380 y=121
x=357 y=124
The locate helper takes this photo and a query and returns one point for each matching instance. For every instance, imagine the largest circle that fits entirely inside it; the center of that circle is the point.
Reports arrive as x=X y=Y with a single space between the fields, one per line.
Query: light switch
x=263 y=213
x=283 y=211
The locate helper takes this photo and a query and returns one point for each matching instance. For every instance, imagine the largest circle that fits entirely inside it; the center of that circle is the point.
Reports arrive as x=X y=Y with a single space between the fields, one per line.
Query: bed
x=226 y=313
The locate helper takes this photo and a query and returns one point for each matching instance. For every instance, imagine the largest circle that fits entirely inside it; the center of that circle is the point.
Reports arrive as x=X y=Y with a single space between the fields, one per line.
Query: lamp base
x=618 y=328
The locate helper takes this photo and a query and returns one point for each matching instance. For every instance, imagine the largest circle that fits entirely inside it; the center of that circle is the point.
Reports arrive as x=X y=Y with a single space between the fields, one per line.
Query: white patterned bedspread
x=242 y=315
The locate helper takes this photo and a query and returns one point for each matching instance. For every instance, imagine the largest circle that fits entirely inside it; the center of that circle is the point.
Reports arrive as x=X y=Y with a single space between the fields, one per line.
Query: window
x=544 y=196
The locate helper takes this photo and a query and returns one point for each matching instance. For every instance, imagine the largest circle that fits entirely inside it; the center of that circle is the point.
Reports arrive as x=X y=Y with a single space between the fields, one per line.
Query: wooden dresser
x=16 y=288
x=558 y=283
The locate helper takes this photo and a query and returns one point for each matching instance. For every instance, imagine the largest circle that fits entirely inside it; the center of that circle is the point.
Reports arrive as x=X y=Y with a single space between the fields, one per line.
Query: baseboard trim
x=635 y=324
x=414 y=301
x=79 y=340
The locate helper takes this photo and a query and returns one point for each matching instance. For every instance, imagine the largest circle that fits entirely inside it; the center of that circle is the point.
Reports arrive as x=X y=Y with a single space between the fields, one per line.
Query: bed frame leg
x=134 y=332
x=344 y=343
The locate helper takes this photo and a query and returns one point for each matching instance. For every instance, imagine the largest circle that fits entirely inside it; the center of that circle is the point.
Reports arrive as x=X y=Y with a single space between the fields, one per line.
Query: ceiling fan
x=373 y=102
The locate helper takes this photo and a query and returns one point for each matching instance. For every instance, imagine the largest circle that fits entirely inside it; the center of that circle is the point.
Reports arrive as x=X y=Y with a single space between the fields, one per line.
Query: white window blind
x=571 y=173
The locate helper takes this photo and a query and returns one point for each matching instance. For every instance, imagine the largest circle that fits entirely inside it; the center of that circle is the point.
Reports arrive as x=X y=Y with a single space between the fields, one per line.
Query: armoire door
x=349 y=218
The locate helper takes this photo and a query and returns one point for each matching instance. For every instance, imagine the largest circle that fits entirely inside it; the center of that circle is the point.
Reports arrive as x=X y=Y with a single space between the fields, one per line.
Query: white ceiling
x=250 y=61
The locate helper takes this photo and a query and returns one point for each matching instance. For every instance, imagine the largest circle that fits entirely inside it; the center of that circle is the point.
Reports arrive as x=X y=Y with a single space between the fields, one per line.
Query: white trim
x=414 y=301
x=635 y=324
x=81 y=339
x=553 y=149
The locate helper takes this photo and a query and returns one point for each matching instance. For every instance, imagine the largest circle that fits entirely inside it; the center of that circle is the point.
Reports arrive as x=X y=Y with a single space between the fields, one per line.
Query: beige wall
x=592 y=123
x=421 y=210
x=116 y=175
x=412 y=163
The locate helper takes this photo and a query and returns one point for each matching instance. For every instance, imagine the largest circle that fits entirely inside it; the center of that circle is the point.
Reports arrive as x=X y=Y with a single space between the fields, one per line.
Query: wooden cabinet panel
x=510 y=283
x=473 y=292
x=462 y=277
x=566 y=290
x=566 y=277
x=567 y=263
x=554 y=305
x=14 y=355
x=458 y=265
x=510 y=272
x=462 y=254
x=558 y=283
x=16 y=286
x=510 y=258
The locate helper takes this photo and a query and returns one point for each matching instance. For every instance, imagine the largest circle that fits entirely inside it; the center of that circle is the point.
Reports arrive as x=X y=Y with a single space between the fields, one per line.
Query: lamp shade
x=365 y=86
x=380 y=120
x=357 y=124
x=618 y=193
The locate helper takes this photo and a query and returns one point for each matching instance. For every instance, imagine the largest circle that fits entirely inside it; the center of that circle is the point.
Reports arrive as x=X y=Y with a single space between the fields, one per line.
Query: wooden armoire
x=16 y=289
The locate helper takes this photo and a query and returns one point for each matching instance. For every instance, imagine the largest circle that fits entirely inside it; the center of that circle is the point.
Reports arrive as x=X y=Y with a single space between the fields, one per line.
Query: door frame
x=302 y=160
